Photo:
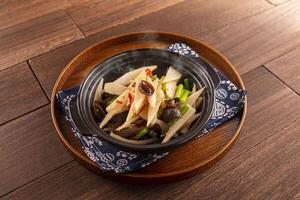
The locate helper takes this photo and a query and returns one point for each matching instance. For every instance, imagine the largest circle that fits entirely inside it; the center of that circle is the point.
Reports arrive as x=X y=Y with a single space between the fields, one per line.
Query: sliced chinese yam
x=198 y=102
x=119 y=101
x=152 y=99
x=192 y=99
x=123 y=98
x=171 y=89
x=99 y=90
x=144 y=113
x=131 y=117
x=194 y=88
x=129 y=76
x=139 y=98
x=188 y=123
x=172 y=75
x=112 y=113
x=152 y=111
x=139 y=142
x=179 y=123
x=114 y=88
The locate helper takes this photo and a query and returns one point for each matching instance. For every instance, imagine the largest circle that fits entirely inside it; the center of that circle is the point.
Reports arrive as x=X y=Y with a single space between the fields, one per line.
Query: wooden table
x=260 y=37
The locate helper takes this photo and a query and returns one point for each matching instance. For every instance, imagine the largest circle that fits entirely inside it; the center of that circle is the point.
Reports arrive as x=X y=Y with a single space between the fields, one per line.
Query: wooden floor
x=260 y=37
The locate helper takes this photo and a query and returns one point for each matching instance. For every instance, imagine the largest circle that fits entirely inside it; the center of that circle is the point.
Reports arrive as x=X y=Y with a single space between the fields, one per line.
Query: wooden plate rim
x=137 y=175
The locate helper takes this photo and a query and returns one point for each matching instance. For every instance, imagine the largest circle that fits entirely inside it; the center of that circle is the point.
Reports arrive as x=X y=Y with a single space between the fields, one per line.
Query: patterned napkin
x=229 y=100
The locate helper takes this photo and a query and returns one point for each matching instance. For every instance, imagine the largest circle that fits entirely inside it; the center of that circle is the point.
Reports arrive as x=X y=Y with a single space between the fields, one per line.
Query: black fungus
x=170 y=114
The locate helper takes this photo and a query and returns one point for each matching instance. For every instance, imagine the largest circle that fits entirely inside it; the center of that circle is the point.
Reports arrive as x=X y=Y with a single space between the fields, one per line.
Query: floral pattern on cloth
x=229 y=100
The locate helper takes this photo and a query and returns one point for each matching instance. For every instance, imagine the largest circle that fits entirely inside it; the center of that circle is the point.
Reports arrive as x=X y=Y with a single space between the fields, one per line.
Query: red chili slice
x=130 y=99
x=120 y=102
x=148 y=72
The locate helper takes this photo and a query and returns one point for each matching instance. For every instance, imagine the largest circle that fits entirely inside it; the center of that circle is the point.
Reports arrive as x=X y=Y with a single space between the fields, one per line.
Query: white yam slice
x=188 y=123
x=110 y=114
x=99 y=90
x=144 y=113
x=119 y=101
x=192 y=99
x=172 y=75
x=139 y=142
x=171 y=89
x=198 y=102
x=178 y=124
x=124 y=96
x=152 y=111
x=139 y=98
x=131 y=117
x=114 y=88
x=152 y=98
x=194 y=88
x=129 y=76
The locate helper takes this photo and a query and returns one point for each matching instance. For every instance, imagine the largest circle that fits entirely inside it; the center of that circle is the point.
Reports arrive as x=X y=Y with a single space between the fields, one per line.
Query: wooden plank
x=73 y=181
x=19 y=92
x=70 y=182
x=34 y=37
x=234 y=34
x=29 y=148
x=48 y=66
x=194 y=17
x=248 y=42
x=287 y=69
x=268 y=171
x=93 y=16
x=276 y=32
x=270 y=103
x=19 y=11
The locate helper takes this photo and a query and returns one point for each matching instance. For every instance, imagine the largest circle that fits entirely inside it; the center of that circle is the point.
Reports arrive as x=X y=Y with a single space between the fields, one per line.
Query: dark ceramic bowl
x=196 y=69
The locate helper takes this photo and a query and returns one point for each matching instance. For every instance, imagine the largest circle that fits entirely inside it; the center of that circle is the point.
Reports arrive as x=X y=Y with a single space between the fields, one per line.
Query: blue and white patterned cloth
x=229 y=100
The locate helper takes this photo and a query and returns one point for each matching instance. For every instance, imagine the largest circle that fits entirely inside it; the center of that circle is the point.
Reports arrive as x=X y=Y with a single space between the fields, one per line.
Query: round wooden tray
x=180 y=163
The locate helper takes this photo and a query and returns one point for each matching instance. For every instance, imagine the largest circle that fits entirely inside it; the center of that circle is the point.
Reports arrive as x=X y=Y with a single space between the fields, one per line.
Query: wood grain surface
x=287 y=69
x=261 y=37
x=48 y=66
x=36 y=36
x=173 y=167
x=88 y=186
x=15 y=12
x=261 y=173
x=29 y=148
x=95 y=16
x=20 y=92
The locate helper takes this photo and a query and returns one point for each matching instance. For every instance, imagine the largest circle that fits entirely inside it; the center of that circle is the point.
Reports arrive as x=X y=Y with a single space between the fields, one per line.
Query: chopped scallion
x=141 y=133
x=179 y=91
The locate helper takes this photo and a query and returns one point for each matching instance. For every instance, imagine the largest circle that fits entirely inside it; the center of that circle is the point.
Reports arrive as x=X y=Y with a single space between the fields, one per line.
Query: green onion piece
x=161 y=80
x=185 y=95
x=184 y=109
x=186 y=83
x=172 y=123
x=154 y=77
x=160 y=111
x=141 y=133
x=164 y=87
x=179 y=91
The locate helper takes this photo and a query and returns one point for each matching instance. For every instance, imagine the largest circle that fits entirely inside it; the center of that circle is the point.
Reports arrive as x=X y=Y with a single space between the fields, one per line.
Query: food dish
x=141 y=108
x=197 y=70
